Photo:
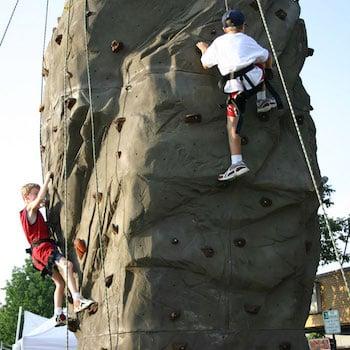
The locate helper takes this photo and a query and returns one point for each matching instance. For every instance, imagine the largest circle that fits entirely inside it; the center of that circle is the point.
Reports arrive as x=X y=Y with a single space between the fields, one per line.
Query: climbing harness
x=8 y=23
x=93 y=139
x=303 y=145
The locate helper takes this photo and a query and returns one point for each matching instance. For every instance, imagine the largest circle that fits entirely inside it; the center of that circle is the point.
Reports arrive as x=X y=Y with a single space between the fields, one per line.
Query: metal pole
x=19 y=323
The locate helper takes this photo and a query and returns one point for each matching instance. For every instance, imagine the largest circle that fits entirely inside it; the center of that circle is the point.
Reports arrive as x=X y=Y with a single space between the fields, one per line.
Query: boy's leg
x=61 y=319
x=264 y=104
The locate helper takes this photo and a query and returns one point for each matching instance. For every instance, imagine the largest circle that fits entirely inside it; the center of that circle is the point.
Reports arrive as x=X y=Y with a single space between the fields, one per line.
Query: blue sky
x=324 y=75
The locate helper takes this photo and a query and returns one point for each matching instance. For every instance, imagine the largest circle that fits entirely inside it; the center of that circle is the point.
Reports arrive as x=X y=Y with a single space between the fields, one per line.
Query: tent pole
x=19 y=323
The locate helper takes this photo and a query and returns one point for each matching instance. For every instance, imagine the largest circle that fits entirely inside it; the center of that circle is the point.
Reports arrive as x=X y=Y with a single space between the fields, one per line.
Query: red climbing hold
x=80 y=247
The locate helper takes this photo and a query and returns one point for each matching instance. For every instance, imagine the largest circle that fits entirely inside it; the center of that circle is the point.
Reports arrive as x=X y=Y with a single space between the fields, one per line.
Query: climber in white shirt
x=241 y=61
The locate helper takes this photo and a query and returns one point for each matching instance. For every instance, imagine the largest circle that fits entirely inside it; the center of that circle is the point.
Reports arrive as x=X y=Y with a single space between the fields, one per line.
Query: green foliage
x=314 y=336
x=27 y=289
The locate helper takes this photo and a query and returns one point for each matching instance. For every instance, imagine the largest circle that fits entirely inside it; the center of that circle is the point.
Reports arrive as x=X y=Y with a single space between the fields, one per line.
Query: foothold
x=252 y=309
x=263 y=117
x=54 y=129
x=310 y=52
x=300 y=119
x=175 y=241
x=70 y=102
x=193 y=118
x=128 y=88
x=254 y=5
x=281 y=14
x=239 y=242
x=89 y=13
x=69 y=75
x=73 y=324
x=311 y=108
x=58 y=39
x=109 y=281
x=97 y=196
x=116 y=46
x=119 y=154
x=285 y=346
x=208 y=252
x=308 y=246
x=80 y=247
x=222 y=105
x=45 y=72
x=213 y=32
x=115 y=228
x=41 y=108
x=174 y=315
x=92 y=309
x=120 y=122
x=42 y=148
x=265 y=202
x=244 y=140
x=180 y=346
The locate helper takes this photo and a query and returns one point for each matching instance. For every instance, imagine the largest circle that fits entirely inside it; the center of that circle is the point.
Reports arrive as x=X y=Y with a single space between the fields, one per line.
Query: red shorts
x=231 y=110
x=42 y=254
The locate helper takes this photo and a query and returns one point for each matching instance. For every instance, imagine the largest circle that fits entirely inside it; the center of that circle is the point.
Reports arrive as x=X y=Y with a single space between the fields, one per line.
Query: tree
x=29 y=290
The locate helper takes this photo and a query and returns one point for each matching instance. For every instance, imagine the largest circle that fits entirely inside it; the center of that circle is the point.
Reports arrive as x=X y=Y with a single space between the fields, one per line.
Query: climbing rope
x=8 y=23
x=93 y=139
x=303 y=145
x=226 y=5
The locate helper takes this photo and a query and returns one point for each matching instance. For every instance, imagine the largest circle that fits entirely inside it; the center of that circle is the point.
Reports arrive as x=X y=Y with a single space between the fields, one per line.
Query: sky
x=325 y=76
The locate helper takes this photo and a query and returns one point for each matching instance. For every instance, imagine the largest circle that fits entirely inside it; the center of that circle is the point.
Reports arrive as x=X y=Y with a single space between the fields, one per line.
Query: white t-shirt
x=232 y=52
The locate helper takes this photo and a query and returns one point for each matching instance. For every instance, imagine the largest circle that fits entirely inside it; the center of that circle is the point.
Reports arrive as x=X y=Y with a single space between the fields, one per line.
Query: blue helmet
x=233 y=18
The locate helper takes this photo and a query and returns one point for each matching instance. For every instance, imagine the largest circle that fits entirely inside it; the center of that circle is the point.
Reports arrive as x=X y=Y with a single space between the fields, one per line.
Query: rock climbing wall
x=189 y=263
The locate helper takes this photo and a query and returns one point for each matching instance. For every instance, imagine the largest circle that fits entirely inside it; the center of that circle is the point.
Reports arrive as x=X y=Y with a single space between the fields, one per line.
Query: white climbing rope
x=226 y=5
x=93 y=139
x=9 y=22
x=303 y=145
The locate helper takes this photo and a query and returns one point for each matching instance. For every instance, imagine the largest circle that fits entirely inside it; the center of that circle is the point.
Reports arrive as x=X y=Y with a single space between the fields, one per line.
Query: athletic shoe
x=83 y=304
x=266 y=105
x=61 y=320
x=235 y=170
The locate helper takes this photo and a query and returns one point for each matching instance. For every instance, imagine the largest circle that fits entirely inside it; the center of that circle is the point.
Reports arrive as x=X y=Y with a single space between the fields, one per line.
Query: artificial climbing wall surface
x=191 y=263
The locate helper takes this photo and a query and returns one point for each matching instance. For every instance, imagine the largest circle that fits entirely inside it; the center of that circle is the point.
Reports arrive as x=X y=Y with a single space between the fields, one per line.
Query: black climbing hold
x=119 y=154
x=45 y=72
x=174 y=241
x=115 y=228
x=263 y=117
x=89 y=13
x=213 y=32
x=109 y=281
x=174 y=315
x=42 y=148
x=252 y=309
x=308 y=246
x=208 y=252
x=222 y=105
x=70 y=102
x=310 y=52
x=41 y=108
x=97 y=196
x=244 y=140
x=285 y=346
x=265 y=202
x=311 y=108
x=58 y=39
x=116 y=46
x=193 y=118
x=54 y=129
x=254 y=5
x=120 y=122
x=180 y=346
x=300 y=119
x=69 y=75
x=281 y=14
x=239 y=242
x=73 y=324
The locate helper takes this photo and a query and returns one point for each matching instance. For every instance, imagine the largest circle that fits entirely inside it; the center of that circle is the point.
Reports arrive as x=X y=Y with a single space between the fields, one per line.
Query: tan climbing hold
x=97 y=196
x=42 y=148
x=45 y=72
x=116 y=46
x=80 y=247
x=70 y=102
x=115 y=228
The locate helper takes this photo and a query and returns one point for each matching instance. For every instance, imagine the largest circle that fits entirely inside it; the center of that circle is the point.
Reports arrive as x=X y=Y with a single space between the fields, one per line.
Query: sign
x=319 y=344
x=331 y=322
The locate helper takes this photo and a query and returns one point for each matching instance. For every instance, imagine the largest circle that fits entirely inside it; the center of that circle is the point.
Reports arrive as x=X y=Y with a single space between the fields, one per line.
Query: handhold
x=254 y=5
x=58 y=39
x=73 y=324
x=119 y=154
x=92 y=309
x=41 y=108
x=244 y=140
x=222 y=105
x=265 y=202
x=281 y=14
x=239 y=242
x=285 y=346
x=252 y=309
x=116 y=46
x=180 y=346
x=115 y=228
x=300 y=119
x=54 y=129
x=308 y=246
x=42 y=148
x=89 y=13
x=128 y=88
x=213 y=32
x=109 y=281
x=263 y=117
x=174 y=241
x=174 y=315
x=45 y=72
x=120 y=122
x=97 y=196
x=208 y=252
x=310 y=52
x=70 y=102
x=193 y=118
x=80 y=247
x=69 y=75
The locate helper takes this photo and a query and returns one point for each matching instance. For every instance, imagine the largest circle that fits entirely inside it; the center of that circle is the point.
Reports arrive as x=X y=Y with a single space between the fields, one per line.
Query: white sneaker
x=235 y=170
x=266 y=105
x=83 y=304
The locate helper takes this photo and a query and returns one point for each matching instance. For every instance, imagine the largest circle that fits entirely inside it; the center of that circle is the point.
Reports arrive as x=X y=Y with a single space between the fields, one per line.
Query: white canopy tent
x=40 y=333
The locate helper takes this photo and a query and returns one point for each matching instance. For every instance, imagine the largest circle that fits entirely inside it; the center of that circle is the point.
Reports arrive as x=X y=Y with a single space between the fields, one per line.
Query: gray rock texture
x=196 y=265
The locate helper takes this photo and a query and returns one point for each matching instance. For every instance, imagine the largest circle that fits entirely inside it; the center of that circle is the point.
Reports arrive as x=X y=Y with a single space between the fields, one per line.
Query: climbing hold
x=193 y=118
x=265 y=202
x=80 y=247
x=73 y=324
x=42 y=148
x=92 y=309
x=285 y=346
x=45 y=72
x=41 y=108
x=89 y=13
x=109 y=281
x=208 y=252
x=222 y=105
x=263 y=117
x=252 y=309
x=308 y=246
x=69 y=75
x=254 y=5
x=116 y=46
x=97 y=196
x=119 y=154
x=281 y=14
x=213 y=32
x=70 y=102
x=174 y=241
x=300 y=119
x=58 y=39
x=120 y=122
x=239 y=242
x=244 y=140
x=179 y=346
x=54 y=129
x=115 y=228
x=310 y=52
x=174 y=315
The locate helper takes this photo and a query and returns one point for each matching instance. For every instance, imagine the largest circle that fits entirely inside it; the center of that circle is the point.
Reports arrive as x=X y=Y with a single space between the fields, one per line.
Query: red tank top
x=36 y=231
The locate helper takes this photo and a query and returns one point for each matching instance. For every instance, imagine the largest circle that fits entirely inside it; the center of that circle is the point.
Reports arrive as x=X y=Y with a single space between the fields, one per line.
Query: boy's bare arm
x=202 y=46
x=33 y=206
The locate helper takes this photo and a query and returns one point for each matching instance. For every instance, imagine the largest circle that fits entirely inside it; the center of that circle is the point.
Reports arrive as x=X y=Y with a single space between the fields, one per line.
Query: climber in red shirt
x=45 y=254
